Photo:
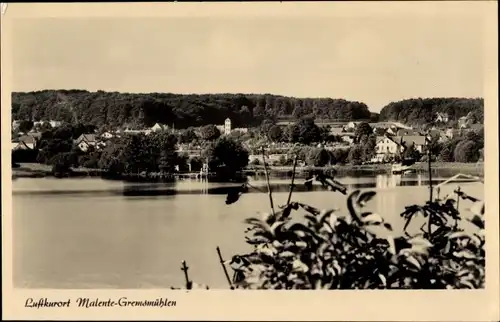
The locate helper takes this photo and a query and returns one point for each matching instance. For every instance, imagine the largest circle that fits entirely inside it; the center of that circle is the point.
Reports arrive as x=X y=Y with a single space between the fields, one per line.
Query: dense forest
x=423 y=110
x=136 y=110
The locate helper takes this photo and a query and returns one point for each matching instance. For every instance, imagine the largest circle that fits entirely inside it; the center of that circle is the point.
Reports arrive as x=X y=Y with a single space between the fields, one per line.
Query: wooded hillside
x=124 y=109
x=423 y=110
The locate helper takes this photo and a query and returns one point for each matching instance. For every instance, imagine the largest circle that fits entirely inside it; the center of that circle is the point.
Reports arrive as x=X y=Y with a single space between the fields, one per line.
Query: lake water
x=91 y=233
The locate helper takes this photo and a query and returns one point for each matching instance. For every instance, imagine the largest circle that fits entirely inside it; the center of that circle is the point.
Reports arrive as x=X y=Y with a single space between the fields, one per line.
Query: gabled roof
x=88 y=137
x=24 y=146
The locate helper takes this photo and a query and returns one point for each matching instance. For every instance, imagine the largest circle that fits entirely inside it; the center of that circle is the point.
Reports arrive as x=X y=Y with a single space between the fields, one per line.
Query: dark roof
x=87 y=137
x=417 y=139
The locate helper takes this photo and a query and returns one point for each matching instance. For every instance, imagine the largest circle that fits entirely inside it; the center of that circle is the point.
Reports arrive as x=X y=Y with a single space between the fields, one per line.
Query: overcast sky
x=368 y=59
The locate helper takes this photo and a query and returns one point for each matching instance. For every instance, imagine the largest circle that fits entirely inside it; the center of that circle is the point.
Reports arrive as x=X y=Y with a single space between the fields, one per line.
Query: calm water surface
x=90 y=233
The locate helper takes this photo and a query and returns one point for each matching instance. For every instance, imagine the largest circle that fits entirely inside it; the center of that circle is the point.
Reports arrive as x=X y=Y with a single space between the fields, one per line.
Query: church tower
x=227 y=126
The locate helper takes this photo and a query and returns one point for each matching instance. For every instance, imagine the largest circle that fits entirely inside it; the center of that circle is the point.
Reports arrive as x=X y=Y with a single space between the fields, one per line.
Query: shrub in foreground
x=302 y=247
x=325 y=250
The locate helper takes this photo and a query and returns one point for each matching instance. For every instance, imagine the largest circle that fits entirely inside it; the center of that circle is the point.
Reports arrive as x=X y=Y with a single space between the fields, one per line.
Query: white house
x=351 y=125
x=465 y=121
x=85 y=141
x=128 y=131
x=386 y=145
x=55 y=123
x=107 y=135
x=159 y=127
x=441 y=117
x=240 y=129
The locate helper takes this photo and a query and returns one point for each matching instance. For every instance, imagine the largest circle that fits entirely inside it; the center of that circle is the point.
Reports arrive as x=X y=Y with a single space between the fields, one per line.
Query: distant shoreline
x=35 y=170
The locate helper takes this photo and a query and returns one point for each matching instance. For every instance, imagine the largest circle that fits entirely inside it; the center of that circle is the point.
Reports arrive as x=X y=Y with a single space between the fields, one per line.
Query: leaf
x=388 y=226
x=365 y=197
x=277 y=244
x=333 y=221
x=458 y=234
x=276 y=227
x=383 y=279
x=325 y=214
x=299 y=266
x=312 y=219
x=301 y=244
x=286 y=254
x=267 y=251
x=392 y=244
x=310 y=209
x=412 y=260
x=373 y=219
x=463 y=273
x=300 y=233
x=420 y=249
x=476 y=240
x=420 y=241
x=464 y=254
x=467 y=284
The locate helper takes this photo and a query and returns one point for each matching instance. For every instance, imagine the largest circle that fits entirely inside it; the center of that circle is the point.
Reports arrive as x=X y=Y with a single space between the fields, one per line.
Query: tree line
x=137 y=110
x=418 y=111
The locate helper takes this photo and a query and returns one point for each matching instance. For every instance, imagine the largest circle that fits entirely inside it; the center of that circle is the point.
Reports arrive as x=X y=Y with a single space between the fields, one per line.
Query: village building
x=418 y=141
x=387 y=146
x=351 y=125
x=55 y=123
x=107 y=135
x=465 y=121
x=85 y=141
x=159 y=127
x=441 y=117
x=129 y=131
x=240 y=129
x=25 y=142
x=336 y=131
x=450 y=133
x=227 y=126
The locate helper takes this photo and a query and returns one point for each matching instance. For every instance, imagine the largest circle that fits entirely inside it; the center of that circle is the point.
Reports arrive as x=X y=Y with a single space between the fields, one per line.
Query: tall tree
x=210 y=132
x=226 y=153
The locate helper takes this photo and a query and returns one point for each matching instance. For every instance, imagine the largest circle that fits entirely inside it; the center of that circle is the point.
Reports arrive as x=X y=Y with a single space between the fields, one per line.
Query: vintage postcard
x=250 y=161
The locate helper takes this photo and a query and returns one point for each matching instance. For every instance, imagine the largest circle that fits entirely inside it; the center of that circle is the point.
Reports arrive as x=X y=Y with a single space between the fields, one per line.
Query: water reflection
x=81 y=187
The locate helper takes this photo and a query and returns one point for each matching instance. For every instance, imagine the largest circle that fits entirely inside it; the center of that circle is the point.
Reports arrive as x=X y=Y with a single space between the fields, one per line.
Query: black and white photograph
x=248 y=152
